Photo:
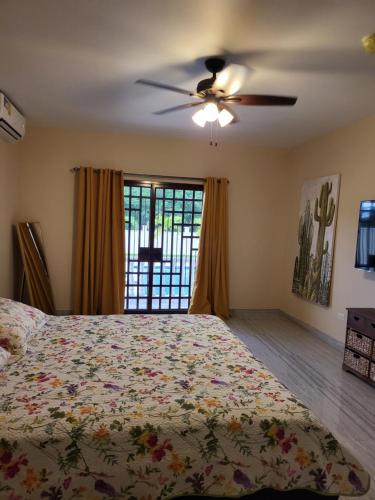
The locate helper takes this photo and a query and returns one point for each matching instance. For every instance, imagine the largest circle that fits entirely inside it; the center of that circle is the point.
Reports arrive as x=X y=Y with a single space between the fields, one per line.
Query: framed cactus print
x=315 y=239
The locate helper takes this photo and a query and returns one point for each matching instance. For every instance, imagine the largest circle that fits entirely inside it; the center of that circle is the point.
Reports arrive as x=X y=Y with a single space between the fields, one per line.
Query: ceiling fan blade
x=261 y=100
x=230 y=80
x=164 y=86
x=177 y=108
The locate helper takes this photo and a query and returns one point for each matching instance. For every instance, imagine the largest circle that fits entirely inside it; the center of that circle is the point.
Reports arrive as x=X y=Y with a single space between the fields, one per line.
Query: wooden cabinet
x=359 y=356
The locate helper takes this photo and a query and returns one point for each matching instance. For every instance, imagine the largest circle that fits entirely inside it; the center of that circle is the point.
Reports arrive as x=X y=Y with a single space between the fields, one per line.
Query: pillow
x=17 y=323
x=4 y=356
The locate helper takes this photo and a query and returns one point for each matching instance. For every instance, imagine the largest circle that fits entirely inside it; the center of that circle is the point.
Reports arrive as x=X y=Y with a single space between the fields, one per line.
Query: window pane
x=135 y=204
x=184 y=304
x=133 y=267
x=165 y=304
x=143 y=266
x=168 y=205
x=188 y=218
x=143 y=304
x=157 y=267
x=197 y=206
x=188 y=206
x=143 y=279
x=166 y=267
x=178 y=206
x=166 y=279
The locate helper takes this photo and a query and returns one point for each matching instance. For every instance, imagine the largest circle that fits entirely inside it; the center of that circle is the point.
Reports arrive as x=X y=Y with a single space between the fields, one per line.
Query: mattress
x=155 y=407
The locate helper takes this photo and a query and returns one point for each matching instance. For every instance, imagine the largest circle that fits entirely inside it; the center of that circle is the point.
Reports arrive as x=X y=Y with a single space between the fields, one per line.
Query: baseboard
x=254 y=313
x=337 y=344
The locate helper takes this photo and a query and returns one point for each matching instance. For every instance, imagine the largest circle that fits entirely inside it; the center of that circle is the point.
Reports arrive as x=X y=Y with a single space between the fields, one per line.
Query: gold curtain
x=99 y=250
x=210 y=295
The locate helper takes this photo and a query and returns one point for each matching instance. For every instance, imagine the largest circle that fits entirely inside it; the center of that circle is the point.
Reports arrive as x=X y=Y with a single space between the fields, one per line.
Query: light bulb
x=199 y=118
x=231 y=79
x=225 y=117
x=211 y=112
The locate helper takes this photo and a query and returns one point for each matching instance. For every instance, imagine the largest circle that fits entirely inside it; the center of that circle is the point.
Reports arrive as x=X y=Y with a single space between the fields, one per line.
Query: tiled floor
x=311 y=369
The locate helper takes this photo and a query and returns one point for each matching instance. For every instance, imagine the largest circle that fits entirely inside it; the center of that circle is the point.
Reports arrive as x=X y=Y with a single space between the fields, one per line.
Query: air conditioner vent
x=12 y=122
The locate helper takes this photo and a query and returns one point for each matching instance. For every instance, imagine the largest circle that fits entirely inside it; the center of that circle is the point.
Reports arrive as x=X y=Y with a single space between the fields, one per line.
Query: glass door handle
x=144 y=254
x=147 y=254
x=156 y=254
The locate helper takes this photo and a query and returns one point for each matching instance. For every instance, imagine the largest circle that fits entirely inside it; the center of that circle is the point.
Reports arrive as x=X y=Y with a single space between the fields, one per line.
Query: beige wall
x=265 y=187
x=256 y=175
x=350 y=152
x=8 y=214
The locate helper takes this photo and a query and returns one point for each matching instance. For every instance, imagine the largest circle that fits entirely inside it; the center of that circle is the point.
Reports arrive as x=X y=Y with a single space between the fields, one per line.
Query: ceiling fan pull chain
x=217 y=133
x=211 y=143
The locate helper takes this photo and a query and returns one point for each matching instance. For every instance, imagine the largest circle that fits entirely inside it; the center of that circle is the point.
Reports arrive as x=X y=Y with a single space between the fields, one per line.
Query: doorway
x=162 y=227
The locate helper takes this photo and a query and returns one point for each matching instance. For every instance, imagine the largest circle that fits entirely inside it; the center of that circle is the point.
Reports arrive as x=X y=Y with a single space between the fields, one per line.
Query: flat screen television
x=365 y=254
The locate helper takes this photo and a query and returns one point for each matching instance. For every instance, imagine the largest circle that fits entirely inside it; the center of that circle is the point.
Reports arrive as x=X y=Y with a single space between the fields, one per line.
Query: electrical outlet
x=341 y=316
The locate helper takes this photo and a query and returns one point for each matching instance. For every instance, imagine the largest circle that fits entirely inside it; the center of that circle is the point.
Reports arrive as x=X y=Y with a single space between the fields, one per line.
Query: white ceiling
x=74 y=62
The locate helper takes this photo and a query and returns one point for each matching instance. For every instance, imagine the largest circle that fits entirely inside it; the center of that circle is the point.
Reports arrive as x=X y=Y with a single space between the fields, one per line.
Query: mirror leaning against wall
x=33 y=285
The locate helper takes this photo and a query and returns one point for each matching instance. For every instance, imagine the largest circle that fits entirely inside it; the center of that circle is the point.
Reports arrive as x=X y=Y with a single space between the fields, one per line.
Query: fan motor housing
x=214 y=65
x=204 y=86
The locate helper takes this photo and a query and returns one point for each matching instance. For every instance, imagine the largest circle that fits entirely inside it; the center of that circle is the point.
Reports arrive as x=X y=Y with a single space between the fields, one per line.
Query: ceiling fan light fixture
x=211 y=111
x=199 y=118
x=225 y=117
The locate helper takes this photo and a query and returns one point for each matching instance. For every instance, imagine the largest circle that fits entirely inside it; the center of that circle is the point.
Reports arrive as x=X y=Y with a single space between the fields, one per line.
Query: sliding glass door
x=162 y=226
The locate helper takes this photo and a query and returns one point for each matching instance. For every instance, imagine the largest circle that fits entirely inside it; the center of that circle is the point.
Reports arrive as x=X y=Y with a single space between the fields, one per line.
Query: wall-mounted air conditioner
x=12 y=122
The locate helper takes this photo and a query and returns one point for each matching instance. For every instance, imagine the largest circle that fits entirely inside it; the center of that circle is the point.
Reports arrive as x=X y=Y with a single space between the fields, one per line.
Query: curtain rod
x=151 y=176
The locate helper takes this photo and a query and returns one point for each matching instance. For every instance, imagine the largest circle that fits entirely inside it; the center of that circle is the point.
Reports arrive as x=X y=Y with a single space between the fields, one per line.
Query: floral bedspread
x=153 y=407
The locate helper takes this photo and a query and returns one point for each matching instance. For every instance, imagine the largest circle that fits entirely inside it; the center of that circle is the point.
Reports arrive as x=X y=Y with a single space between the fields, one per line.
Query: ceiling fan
x=217 y=93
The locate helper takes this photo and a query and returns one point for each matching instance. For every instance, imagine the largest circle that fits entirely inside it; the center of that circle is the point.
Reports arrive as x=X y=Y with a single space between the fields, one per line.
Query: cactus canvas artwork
x=316 y=236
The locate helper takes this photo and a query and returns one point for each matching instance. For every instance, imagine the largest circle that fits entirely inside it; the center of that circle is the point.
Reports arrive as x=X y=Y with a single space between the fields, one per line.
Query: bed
x=158 y=407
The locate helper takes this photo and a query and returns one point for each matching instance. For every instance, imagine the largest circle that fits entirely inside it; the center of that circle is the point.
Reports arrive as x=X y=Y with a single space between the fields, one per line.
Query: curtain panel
x=210 y=294
x=99 y=246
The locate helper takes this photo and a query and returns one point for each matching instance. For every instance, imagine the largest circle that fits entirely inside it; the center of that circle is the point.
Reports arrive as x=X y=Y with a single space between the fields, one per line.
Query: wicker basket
x=359 y=342
x=356 y=362
x=372 y=372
